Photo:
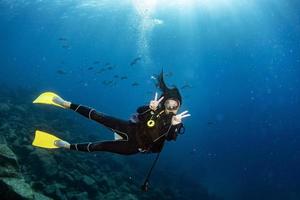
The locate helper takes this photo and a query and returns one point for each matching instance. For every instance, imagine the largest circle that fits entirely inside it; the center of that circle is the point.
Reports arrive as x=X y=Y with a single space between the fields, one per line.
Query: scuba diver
x=147 y=132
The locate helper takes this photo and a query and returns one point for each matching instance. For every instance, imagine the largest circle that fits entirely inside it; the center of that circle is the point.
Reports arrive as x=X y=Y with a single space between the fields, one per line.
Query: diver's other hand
x=62 y=102
x=154 y=103
x=176 y=119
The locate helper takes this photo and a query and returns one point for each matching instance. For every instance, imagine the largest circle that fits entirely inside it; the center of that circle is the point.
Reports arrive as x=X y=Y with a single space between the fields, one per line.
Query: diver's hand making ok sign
x=154 y=103
x=176 y=119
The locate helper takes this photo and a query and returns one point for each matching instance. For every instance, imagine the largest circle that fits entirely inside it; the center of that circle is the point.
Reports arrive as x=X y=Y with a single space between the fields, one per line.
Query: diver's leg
x=119 y=146
x=116 y=124
x=126 y=146
x=110 y=122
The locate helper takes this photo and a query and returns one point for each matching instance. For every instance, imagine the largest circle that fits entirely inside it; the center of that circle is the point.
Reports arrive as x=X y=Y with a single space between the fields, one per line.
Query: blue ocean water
x=237 y=64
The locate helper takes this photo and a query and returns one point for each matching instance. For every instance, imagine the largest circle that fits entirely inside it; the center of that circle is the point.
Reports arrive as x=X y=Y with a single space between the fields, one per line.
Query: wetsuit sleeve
x=142 y=109
x=174 y=131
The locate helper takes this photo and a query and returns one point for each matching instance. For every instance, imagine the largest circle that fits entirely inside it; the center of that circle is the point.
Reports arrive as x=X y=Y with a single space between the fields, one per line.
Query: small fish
x=135 y=84
x=61 y=72
x=169 y=74
x=107 y=82
x=123 y=77
x=110 y=68
x=116 y=76
x=101 y=71
x=135 y=61
x=90 y=68
x=62 y=39
x=96 y=62
x=66 y=46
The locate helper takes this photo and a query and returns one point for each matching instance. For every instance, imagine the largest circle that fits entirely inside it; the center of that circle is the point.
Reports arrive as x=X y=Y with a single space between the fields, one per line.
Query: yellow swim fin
x=47 y=98
x=44 y=140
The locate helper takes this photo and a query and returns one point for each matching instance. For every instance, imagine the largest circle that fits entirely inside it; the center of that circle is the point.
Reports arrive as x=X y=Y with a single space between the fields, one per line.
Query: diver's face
x=171 y=106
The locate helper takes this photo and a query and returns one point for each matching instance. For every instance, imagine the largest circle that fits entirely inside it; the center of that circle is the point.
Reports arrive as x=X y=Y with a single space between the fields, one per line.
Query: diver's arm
x=174 y=131
x=143 y=109
x=176 y=119
x=153 y=105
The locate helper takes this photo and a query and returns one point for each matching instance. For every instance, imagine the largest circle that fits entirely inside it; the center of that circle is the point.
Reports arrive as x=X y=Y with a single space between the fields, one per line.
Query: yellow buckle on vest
x=150 y=123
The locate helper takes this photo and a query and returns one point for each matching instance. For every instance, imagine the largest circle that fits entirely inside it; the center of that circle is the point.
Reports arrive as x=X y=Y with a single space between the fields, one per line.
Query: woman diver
x=147 y=132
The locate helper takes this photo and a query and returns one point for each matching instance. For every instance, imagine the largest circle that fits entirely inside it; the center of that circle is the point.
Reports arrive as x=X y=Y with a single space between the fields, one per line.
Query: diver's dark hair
x=168 y=93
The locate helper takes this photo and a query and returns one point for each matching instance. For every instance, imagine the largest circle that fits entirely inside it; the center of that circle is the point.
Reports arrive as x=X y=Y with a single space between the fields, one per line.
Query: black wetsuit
x=136 y=136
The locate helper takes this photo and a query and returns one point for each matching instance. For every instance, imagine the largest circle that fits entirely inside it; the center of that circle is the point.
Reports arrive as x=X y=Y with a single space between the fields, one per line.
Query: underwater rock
x=4 y=126
x=8 y=162
x=4 y=107
x=27 y=148
x=21 y=108
x=76 y=175
x=77 y=196
x=15 y=188
x=129 y=197
x=39 y=196
x=88 y=180
x=50 y=189
x=104 y=183
x=46 y=161
x=124 y=188
x=39 y=185
x=90 y=185
x=2 y=139
x=54 y=190
x=12 y=183
x=117 y=195
x=66 y=177
x=11 y=135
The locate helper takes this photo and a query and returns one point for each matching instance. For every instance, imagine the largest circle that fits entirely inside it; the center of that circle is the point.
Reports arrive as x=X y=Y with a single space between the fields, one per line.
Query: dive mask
x=171 y=104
